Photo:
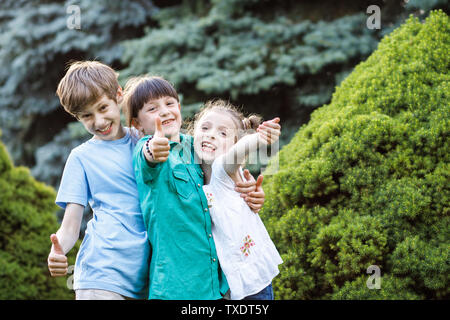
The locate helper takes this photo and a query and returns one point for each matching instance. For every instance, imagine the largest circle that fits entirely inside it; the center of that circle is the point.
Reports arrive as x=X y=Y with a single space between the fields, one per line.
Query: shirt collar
x=185 y=146
x=184 y=140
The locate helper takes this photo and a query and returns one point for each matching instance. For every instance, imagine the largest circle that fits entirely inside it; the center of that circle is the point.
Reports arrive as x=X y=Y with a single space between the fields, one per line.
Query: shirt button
x=206 y=209
x=214 y=259
x=210 y=235
x=199 y=185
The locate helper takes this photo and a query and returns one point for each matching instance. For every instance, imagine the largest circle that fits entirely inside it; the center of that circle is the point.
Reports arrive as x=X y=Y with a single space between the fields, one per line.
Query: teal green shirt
x=184 y=263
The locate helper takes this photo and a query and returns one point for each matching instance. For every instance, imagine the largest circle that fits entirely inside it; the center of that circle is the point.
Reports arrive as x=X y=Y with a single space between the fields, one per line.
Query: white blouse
x=246 y=253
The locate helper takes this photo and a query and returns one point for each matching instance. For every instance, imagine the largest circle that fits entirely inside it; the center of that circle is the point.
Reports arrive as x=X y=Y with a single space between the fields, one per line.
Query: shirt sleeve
x=141 y=166
x=74 y=186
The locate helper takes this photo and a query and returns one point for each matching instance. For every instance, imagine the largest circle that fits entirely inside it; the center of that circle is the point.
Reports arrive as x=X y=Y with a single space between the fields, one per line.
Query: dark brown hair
x=139 y=90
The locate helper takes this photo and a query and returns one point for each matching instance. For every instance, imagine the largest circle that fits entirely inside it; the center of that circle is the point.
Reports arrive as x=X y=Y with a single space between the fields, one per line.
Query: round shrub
x=366 y=181
x=27 y=215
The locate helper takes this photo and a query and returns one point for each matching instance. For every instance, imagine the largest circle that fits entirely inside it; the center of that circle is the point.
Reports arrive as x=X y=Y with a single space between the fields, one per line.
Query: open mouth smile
x=167 y=122
x=105 y=131
x=208 y=147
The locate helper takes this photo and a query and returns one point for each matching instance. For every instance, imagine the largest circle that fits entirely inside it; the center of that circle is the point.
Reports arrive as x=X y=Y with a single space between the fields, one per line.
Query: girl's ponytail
x=243 y=124
x=252 y=122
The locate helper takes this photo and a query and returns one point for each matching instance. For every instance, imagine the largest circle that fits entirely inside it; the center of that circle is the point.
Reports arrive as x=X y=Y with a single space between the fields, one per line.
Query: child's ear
x=135 y=123
x=119 y=95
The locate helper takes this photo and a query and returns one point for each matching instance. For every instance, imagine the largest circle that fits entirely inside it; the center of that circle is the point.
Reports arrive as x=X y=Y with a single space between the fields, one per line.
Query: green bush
x=366 y=181
x=27 y=215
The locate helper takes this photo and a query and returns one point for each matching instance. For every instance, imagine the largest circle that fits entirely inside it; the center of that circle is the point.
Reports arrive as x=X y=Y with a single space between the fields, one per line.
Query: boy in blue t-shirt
x=113 y=259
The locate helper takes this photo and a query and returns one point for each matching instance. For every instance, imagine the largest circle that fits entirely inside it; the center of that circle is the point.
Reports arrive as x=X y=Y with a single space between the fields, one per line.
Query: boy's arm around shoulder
x=64 y=240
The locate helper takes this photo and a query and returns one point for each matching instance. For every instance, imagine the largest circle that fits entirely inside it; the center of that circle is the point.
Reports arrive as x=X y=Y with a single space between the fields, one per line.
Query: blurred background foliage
x=27 y=215
x=366 y=180
x=275 y=58
x=271 y=57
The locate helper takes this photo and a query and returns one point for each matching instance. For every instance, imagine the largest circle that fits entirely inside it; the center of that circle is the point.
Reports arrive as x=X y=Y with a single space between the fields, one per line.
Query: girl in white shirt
x=246 y=253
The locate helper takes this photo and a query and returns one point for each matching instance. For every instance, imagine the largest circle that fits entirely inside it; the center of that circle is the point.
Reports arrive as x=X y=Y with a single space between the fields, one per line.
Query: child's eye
x=223 y=133
x=103 y=108
x=85 y=116
x=204 y=128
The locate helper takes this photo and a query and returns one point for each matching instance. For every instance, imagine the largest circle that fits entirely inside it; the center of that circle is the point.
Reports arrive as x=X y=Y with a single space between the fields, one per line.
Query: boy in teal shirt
x=184 y=263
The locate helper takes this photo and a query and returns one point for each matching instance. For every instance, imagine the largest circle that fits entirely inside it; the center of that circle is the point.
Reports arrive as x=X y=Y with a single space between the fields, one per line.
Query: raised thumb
x=259 y=181
x=56 y=246
x=158 y=128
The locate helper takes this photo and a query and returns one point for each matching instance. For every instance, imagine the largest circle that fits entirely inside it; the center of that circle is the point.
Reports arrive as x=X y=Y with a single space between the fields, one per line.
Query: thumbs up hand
x=252 y=191
x=158 y=128
x=256 y=198
x=57 y=260
x=157 y=149
x=259 y=183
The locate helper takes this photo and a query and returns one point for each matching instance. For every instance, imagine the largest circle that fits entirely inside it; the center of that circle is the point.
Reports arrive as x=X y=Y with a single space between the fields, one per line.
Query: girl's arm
x=267 y=133
x=234 y=158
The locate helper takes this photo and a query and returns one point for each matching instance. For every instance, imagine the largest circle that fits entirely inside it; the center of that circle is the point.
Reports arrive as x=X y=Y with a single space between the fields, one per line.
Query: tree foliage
x=35 y=46
x=27 y=215
x=271 y=57
x=365 y=182
x=265 y=55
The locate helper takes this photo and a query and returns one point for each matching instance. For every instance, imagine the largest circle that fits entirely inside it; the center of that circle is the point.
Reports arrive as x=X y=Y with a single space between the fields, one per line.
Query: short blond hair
x=84 y=83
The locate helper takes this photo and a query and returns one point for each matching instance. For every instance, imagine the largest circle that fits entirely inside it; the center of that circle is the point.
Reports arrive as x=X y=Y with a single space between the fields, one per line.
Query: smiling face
x=102 y=119
x=215 y=133
x=169 y=111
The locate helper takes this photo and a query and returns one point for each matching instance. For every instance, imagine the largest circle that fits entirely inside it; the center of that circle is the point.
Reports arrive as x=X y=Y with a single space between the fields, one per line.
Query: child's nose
x=99 y=122
x=211 y=134
x=163 y=110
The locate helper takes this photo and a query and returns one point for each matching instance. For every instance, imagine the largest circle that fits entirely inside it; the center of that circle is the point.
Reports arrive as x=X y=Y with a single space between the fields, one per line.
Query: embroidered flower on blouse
x=248 y=242
x=210 y=198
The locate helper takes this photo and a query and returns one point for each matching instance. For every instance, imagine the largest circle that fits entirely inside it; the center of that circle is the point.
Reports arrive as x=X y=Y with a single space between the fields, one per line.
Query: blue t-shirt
x=115 y=251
